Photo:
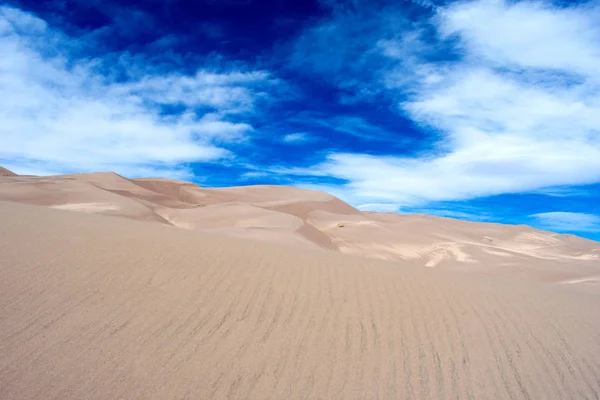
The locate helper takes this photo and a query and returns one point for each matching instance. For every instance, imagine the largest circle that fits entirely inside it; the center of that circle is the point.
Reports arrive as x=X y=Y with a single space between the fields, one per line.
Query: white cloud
x=254 y=175
x=296 y=138
x=232 y=92
x=528 y=34
x=63 y=113
x=513 y=92
x=568 y=221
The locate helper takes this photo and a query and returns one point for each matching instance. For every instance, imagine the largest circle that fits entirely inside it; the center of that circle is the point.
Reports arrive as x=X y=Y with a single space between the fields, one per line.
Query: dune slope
x=100 y=307
x=6 y=172
x=316 y=220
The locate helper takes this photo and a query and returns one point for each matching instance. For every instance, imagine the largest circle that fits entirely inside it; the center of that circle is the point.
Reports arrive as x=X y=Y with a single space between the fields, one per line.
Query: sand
x=101 y=302
x=6 y=172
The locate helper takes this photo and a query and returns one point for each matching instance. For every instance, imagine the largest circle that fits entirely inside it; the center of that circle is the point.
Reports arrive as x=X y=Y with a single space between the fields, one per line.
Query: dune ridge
x=312 y=219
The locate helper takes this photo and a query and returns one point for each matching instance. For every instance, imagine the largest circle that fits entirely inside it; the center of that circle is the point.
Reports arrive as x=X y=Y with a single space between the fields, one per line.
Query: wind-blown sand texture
x=107 y=297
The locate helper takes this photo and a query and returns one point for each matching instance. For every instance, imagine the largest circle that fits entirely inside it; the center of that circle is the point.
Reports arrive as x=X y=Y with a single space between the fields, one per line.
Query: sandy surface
x=97 y=307
x=105 y=295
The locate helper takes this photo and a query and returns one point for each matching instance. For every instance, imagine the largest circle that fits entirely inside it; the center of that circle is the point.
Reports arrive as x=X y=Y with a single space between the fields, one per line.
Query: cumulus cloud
x=568 y=221
x=509 y=90
x=64 y=112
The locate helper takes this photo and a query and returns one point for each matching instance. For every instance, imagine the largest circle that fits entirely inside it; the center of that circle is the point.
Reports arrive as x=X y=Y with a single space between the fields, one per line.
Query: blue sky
x=487 y=110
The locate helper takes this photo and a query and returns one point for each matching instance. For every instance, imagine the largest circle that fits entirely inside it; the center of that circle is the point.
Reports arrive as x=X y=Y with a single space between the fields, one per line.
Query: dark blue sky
x=479 y=109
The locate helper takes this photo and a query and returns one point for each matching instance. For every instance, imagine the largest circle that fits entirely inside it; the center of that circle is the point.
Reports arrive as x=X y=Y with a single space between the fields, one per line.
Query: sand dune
x=312 y=219
x=103 y=307
x=161 y=289
x=6 y=172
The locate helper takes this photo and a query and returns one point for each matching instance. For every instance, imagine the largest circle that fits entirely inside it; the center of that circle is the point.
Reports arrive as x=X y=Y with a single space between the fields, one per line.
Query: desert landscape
x=116 y=288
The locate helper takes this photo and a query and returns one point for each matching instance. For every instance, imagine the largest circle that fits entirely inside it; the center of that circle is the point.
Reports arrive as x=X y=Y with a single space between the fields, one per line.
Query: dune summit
x=160 y=289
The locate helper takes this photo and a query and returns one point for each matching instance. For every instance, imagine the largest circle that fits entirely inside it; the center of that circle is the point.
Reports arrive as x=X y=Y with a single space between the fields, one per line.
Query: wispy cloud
x=512 y=91
x=568 y=221
x=64 y=112
x=351 y=125
x=296 y=138
x=253 y=175
x=231 y=92
x=358 y=127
